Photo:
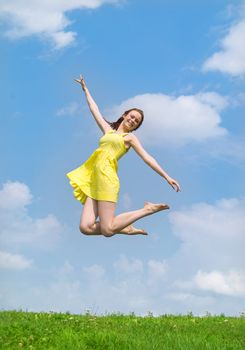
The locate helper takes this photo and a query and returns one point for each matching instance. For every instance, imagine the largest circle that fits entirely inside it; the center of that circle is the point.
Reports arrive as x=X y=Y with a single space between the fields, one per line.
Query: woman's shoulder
x=131 y=136
x=131 y=139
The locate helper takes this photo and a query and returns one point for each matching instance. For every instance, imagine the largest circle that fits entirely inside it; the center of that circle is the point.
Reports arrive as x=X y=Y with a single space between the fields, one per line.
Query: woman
x=96 y=182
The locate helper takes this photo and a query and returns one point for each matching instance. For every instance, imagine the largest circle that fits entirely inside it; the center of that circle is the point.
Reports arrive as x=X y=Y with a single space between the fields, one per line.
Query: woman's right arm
x=103 y=125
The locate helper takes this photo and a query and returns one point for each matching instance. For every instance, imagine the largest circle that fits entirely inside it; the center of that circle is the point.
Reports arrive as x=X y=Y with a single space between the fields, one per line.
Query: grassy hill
x=28 y=330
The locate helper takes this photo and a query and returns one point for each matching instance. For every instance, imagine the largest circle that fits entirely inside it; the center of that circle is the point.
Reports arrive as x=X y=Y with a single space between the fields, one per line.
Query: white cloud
x=156 y=270
x=212 y=234
x=214 y=100
x=94 y=288
x=66 y=269
x=230 y=283
x=206 y=273
x=123 y=264
x=193 y=301
x=231 y=58
x=17 y=226
x=14 y=261
x=47 y=19
x=95 y=271
x=14 y=195
x=211 y=255
x=178 y=120
x=156 y=275
x=131 y=288
x=225 y=219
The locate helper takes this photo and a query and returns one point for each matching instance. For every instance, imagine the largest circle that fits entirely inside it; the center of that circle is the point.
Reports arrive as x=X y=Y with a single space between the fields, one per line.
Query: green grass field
x=27 y=330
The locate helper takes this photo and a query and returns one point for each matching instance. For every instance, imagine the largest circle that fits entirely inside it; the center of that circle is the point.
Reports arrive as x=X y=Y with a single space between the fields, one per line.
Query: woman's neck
x=120 y=130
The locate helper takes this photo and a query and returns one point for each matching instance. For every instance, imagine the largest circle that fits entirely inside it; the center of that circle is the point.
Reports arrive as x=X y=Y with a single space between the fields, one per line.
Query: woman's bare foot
x=153 y=208
x=131 y=230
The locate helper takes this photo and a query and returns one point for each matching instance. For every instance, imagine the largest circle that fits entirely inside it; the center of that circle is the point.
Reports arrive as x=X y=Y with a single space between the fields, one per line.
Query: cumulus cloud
x=18 y=228
x=123 y=264
x=212 y=234
x=177 y=120
x=95 y=288
x=132 y=285
x=96 y=271
x=157 y=269
x=14 y=261
x=230 y=58
x=230 y=283
x=193 y=300
x=211 y=253
x=156 y=274
x=47 y=19
x=14 y=195
x=206 y=273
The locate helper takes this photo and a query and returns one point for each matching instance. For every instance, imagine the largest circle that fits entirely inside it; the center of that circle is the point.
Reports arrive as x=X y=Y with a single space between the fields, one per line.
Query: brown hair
x=115 y=125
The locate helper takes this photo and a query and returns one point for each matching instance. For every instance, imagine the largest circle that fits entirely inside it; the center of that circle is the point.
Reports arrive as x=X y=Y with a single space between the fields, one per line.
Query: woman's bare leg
x=111 y=224
x=95 y=229
x=129 y=217
x=89 y=226
x=88 y=217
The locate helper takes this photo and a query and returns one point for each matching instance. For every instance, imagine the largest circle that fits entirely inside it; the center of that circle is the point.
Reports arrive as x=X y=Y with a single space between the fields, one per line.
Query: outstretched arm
x=149 y=160
x=103 y=125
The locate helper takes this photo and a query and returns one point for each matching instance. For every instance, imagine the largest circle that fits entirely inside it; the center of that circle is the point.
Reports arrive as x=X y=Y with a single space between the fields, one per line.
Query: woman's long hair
x=115 y=125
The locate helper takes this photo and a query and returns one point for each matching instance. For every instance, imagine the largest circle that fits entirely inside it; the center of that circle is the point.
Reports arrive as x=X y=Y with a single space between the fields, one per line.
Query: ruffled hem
x=78 y=193
x=81 y=194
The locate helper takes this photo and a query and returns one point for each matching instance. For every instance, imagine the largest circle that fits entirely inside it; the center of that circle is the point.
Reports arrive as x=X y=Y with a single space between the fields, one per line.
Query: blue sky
x=183 y=64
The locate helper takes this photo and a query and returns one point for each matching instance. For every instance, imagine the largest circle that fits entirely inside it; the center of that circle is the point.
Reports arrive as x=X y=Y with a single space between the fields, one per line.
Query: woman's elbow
x=148 y=160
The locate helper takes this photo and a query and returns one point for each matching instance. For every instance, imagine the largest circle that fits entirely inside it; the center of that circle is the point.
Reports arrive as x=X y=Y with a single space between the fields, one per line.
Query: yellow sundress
x=97 y=176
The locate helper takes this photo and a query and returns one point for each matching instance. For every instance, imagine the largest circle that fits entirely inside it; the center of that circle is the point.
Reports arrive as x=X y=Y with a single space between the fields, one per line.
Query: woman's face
x=132 y=120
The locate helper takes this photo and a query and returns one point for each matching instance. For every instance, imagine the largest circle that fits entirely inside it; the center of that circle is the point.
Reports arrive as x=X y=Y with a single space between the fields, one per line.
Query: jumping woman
x=95 y=182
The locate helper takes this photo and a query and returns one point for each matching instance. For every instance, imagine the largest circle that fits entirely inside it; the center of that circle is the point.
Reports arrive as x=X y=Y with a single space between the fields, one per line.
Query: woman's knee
x=85 y=229
x=106 y=210
x=106 y=231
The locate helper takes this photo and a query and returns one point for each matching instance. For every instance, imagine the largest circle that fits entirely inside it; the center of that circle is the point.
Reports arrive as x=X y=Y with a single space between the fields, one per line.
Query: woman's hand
x=81 y=82
x=174 y=184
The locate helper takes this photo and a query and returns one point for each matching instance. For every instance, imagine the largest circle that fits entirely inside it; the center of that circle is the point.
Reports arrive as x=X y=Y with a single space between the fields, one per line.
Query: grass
x=27 y=330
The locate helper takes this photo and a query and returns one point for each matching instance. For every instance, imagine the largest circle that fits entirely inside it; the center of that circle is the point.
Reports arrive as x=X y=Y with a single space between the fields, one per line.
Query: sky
x=183 y=63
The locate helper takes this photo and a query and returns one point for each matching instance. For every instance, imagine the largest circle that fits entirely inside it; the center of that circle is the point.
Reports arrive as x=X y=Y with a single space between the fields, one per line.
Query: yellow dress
x=97 y=177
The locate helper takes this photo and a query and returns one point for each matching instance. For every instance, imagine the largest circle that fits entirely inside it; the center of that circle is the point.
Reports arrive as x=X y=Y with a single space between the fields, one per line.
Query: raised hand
x=174 y=184
x=81 y=82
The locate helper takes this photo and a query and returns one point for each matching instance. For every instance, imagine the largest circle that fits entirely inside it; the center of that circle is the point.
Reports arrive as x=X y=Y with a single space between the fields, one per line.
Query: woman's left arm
x=149 y=160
